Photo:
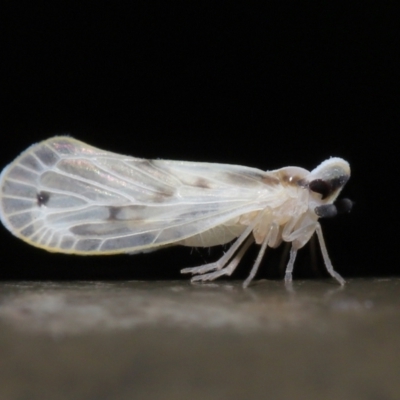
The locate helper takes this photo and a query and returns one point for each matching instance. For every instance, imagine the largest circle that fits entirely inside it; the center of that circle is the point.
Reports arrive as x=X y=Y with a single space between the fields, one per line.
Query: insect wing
x=64 y=195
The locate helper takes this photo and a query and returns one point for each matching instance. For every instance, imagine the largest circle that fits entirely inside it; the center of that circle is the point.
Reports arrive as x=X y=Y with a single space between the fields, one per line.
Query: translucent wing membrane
x=64 y=195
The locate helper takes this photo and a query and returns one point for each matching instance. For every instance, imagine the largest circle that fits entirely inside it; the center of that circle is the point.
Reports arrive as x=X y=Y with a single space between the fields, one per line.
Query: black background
x=266 y=87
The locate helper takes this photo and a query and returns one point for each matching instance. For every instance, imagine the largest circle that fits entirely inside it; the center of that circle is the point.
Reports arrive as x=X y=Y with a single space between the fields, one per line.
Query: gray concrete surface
x=174 y=340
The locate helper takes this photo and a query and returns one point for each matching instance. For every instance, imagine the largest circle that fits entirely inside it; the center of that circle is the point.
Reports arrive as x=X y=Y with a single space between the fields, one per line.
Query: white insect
x=63 y=195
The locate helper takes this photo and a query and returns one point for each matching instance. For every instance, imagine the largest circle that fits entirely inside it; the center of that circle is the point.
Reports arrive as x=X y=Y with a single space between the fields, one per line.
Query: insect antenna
x=344 y=206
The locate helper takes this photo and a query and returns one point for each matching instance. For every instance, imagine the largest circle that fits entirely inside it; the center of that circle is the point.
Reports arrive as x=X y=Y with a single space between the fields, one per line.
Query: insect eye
x=321 y=187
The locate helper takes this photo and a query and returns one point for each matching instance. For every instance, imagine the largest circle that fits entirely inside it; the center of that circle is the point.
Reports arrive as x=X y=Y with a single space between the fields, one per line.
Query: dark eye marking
x=326 y=188
x=42 y=198
x=321 y=187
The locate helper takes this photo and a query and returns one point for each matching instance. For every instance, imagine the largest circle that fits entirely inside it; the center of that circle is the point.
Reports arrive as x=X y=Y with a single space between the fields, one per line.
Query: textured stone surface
x=174 y=340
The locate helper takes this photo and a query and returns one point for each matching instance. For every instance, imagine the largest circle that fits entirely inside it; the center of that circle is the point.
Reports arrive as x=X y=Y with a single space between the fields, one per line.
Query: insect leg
x=217 y=265
x=298 y=238
x=229 y=268
x=290 y=264
x=273 y=230
x=325 y=255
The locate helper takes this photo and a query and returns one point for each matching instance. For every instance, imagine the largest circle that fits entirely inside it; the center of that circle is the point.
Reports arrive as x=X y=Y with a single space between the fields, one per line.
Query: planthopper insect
x=63 y=195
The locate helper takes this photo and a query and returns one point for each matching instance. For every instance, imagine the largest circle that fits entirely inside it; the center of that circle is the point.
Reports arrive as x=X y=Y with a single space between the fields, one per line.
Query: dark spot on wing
x=137 y=213
x=42 y=198
x=113 y=213
x=162 y=196
x=202 y=183
x=269 y=180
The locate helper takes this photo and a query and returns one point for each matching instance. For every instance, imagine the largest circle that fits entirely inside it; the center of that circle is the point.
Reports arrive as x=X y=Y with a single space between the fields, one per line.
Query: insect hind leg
x=228 y=270
x=220 y=264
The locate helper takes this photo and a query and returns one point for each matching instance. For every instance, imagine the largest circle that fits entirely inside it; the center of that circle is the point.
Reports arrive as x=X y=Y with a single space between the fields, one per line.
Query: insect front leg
x=325 y=255
x=290 y=264
x=298 y=239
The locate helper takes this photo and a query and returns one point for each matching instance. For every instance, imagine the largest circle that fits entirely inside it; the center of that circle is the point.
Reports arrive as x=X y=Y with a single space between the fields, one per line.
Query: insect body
x=63 y=195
